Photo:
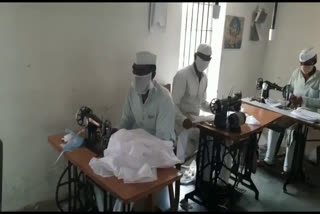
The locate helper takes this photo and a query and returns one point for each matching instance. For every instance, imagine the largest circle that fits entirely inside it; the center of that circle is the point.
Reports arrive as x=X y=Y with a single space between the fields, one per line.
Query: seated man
x=189 y=93
x=189 y=96
x=305 y=86
x=148 y=106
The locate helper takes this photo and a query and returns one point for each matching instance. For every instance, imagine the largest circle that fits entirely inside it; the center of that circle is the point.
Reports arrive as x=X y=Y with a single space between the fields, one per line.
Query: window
x=198 y=27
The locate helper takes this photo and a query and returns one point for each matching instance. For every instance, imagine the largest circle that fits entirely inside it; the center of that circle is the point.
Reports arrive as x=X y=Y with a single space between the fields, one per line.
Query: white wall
x=56 y=57
x=296 y=28
x=241 y=67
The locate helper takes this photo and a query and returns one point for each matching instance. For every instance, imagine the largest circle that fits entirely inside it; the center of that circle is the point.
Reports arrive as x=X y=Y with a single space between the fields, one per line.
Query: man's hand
x=296 y=101
x=187 y=124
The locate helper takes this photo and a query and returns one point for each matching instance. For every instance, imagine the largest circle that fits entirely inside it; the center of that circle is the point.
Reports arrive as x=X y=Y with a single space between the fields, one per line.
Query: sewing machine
x=266 y=86
x=98 y=131
x=220 y=108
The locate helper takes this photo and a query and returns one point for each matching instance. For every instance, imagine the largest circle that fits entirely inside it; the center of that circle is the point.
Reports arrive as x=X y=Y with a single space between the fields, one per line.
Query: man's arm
x=306 y=101
x=178 y=89
x=127 y=120
x=311 y=102
x=166 y=120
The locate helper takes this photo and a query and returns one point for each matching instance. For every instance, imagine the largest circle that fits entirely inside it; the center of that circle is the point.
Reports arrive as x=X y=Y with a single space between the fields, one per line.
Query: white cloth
x=251 y=120
x=272 y=140
x=305 y=114
x=142 y=83
x=307 y=54
x=201 y=64
x=309 y=91
x=134 y=155
x=202 y=118
x=189 y=95
x=146 y=58
x=156 y=115
x=273 y=137
x=204 y=49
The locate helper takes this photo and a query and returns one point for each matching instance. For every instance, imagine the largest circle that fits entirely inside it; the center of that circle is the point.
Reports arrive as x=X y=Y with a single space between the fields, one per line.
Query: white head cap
x=145 y=58
x=204 y=49
x=307 y=54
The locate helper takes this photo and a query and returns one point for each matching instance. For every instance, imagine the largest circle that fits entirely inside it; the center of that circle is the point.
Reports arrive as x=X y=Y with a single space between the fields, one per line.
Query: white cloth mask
x=201 y=64
x=142 y=84
x=306 y=68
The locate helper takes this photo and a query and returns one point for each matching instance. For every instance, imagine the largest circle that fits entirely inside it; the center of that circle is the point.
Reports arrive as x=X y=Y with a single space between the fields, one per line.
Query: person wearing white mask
x=189 y=96
x=305 y=89
x=148 y=106
x=189 y=93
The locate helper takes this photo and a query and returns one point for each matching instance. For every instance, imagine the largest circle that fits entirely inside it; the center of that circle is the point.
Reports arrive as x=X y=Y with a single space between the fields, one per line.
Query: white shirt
x=189 y=95
x=156 y=115
x=309 y=90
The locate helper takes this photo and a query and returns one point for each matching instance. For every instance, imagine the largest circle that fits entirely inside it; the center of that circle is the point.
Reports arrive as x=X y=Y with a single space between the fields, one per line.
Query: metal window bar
x=198 y=21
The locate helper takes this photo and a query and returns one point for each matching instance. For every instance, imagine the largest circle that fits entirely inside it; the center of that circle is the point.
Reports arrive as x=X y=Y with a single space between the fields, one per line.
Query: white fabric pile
x=202 y=118
x=307 y=115
x=134 y=156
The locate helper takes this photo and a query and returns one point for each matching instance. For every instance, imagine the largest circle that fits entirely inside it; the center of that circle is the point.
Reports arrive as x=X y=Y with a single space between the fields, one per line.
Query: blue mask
x=73 y=140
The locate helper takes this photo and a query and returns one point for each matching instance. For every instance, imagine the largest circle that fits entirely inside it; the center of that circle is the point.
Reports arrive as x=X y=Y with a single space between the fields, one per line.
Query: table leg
x=69 y=185
x=150 y=203
x=75 y=189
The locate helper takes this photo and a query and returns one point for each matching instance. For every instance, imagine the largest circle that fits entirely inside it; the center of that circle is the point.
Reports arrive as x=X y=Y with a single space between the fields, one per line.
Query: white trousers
x=161 y=201
x=188 y=143
x=273 y=137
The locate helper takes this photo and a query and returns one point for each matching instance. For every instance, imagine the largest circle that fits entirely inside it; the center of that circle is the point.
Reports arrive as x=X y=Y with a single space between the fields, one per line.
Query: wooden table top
x=126 y=192
x=286 y=113
x=265 y=117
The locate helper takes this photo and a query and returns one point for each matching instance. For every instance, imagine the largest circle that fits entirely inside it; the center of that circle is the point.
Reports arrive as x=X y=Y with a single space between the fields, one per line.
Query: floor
x=300 y=197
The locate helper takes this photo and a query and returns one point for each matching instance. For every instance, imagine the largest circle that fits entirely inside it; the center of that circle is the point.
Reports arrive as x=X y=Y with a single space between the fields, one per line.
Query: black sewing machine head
x=220 y=108
x=99 y=131
x=266 y=86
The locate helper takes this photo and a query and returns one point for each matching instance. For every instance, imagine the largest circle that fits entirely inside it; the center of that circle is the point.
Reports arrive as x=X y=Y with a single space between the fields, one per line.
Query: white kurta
x=309 y=91
x=189 y=95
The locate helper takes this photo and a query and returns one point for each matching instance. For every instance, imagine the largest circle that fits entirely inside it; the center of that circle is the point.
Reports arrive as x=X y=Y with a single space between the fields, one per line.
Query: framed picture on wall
x=233 y=30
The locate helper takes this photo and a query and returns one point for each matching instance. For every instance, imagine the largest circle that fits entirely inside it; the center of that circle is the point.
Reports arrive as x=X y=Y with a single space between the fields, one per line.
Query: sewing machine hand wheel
x=286 y=92
x=215 y=105
x=259 y=83
x=80 y=116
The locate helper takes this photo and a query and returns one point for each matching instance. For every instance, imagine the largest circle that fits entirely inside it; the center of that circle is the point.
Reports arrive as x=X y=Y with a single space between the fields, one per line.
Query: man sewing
x=148 y=106
x=189 y=93
x=305 y=86
x=189 y=96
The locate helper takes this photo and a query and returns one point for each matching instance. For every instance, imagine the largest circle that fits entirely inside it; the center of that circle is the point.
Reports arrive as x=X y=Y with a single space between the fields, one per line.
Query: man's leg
x=290 y=142
x=188 y=143
x=289 y=157
x=273 y=137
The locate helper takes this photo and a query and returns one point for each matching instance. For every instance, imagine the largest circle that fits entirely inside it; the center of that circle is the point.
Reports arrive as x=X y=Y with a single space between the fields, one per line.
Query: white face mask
x=142 y=84
x=201 y=64
x=306 y=68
